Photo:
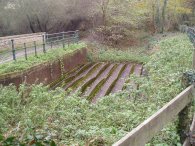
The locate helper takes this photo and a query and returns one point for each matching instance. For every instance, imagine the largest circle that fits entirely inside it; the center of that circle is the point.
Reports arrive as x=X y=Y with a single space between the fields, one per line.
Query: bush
x=112 y=35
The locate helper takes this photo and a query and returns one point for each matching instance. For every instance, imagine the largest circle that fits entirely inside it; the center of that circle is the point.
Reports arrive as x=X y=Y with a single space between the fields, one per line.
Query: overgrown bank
x=163 y=83
x=51 y=55
x=72 y=120
x=98 y=52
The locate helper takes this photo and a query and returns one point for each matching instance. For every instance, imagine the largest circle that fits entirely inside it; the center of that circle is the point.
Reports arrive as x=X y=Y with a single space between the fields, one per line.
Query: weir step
x=107 y=85
x=121 y=81
x=80 y=76
x=103 y=75
x=96 y=80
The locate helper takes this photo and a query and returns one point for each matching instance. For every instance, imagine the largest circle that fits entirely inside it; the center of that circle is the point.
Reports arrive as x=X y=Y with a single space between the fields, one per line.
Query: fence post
x=183 y=127
x=63 y=40
x=68 y=41
x=63 y=44
x=51 y=44
x=25 y=51
x=193 y=63
x=77 y=36
x=184 y=123
x=35 y=48
x=63 y=35
x=44 y=50
x=13 y=50
x=45 y=37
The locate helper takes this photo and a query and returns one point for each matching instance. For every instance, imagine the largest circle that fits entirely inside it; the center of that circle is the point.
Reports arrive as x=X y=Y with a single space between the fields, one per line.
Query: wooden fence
x=150 y=127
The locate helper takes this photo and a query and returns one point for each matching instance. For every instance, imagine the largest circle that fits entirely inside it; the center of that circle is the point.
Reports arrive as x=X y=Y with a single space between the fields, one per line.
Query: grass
x=21 y=47
x=51 y=55
x=103 y=53
x=72 y=120
x=121 y=56
x=4 y=50
x=163 y=82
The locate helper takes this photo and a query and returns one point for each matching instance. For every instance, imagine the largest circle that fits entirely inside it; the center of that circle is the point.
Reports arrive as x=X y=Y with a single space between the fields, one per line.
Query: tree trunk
x=104 y=11
x=31 y=25
x=153 y=17
x=163 y=16
x=157 y=18
x=39 y=23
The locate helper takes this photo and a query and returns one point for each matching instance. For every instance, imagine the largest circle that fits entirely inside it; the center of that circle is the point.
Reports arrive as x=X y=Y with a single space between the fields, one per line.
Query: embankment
x=47 y=72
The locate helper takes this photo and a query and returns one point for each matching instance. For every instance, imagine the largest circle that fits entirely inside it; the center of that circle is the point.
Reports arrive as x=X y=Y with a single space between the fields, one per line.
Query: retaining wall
x=46 y=73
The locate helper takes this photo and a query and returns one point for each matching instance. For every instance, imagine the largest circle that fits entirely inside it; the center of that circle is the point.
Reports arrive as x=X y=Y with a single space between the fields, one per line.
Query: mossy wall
x=48 y=72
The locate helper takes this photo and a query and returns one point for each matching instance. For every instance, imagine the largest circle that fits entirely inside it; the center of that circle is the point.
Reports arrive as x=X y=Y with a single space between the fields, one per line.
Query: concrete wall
x=48 y=72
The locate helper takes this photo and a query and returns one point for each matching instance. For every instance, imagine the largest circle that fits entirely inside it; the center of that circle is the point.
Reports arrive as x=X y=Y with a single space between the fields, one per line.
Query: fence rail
x=46 y=42
x=191 y=34
x=149 y=128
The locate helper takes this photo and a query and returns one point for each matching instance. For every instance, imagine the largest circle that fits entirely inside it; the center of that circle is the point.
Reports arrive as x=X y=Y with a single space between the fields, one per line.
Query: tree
x=25 y=16
x=42 y=15
x=163 y=15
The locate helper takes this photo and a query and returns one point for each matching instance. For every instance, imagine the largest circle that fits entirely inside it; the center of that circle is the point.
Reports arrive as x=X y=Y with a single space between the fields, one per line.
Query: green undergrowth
x=121 y=56
x=72 y=120
x=51 y=55
x=67 y=119
x=163 y=82
x=102 y=53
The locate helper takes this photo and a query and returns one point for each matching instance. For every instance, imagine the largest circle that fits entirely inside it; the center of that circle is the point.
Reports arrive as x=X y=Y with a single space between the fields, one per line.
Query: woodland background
x=106 y=20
